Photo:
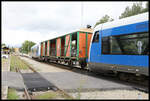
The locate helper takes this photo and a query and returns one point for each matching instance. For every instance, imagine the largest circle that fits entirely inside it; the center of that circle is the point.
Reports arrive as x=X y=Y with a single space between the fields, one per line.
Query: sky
x=39 y=21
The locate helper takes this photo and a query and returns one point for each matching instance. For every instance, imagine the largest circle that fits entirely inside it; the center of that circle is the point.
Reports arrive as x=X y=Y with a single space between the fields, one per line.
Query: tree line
x=25 y=47
x=136 y=8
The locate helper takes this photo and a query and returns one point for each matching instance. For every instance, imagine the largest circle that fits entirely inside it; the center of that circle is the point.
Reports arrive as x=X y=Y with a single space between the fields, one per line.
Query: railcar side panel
x=48 y=46
x=41 y=49
x=67 y=46
x=82 y=45
x=53 y=48
x=88 y=44
x=58 y=46
x=62 y=46
x=45 y=48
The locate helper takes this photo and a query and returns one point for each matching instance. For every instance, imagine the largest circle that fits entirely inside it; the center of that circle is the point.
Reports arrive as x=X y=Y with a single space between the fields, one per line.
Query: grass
x=16 y=62
x=51 y=95
x=12 y=94
x=4 y=60
x=81 y=82
x=47 y=95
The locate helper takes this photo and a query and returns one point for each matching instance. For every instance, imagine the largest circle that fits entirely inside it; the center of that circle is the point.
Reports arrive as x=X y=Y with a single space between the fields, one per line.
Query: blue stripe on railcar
x=132 y=28
x=129 y=60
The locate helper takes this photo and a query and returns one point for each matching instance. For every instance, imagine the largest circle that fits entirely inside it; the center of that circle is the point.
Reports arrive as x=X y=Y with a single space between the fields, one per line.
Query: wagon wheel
x=123 y=76
x=70 y=64
x=83 y=65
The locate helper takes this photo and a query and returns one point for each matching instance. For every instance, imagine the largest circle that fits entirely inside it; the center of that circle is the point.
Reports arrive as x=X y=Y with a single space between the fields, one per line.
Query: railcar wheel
x=83 y=65
x=70 y=63
x=123 y=76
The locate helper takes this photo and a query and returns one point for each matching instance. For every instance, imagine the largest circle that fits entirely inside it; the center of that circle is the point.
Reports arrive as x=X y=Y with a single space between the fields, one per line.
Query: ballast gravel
x=111 y=94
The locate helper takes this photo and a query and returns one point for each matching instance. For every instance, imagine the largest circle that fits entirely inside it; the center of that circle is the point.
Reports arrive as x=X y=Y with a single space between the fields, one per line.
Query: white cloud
x=17 y=37
x=38 y=21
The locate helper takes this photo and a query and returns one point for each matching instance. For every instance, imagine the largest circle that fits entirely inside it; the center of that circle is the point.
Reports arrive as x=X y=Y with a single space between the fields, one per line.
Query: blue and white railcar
x=35 y=51
x=121 y=46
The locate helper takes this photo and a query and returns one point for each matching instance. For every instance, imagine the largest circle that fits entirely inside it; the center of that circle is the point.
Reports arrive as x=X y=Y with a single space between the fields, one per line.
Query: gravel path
x=112 y=94
x=5 y=66
x=43 y=67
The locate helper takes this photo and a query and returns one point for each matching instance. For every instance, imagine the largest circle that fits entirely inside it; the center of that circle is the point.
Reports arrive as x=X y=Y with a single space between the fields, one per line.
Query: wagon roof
x=89 y=30
x=86 y=30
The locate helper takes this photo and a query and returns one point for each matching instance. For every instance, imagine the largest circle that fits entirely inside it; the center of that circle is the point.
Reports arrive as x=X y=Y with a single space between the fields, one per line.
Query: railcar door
x=95 y=47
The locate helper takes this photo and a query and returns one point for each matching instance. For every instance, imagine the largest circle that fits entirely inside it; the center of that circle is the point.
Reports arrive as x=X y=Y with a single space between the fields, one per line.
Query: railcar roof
x=34 y=46
x=125 y=21
x=89 y=30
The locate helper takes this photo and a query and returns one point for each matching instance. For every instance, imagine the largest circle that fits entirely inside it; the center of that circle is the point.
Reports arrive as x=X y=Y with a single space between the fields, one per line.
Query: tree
x=12 y=49
x=104 y=19
x=3 y=45
x=134 y=10
x=146 y=9
x=26 y=46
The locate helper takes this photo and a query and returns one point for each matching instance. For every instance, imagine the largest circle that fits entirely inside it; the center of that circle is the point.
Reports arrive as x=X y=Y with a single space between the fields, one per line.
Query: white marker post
x=139 y=44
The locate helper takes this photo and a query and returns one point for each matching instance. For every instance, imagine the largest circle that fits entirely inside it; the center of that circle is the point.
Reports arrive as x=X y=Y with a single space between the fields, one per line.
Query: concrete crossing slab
x=68 y=81
x=71 y=81
x=35 y=82
x=12 y=79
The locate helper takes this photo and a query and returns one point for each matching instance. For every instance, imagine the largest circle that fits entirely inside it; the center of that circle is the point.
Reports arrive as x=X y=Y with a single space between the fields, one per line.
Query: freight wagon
x=71 y=49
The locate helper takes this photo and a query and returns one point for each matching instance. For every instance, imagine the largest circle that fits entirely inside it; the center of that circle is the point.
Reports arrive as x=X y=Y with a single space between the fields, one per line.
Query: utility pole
x=81 y=14
x=28 y=48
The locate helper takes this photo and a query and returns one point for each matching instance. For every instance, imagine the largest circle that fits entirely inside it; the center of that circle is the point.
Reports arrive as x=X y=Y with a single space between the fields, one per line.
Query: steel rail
x=25 y=89
x=56 y=89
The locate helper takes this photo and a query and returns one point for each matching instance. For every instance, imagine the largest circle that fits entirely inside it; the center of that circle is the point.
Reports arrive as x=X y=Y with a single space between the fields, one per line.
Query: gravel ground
x=5 y=66
x=21 y=95
x=108 y=94
x=43 y=67
x=50 y=91
x=111 y=94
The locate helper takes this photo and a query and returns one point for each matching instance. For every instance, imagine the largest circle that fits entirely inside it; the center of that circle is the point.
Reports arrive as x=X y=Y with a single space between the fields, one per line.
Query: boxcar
x=71 y=48
x=121 y=46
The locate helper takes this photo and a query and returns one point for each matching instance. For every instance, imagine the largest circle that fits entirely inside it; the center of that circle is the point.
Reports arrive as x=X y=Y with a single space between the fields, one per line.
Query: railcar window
x=131 y=44
x=96 y=37
x=105 y=45
x=37 y=50
x=134 y=44
x=115 y=46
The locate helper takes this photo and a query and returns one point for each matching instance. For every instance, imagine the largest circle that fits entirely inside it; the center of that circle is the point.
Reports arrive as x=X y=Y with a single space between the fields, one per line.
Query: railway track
x=138 y=85
x=28 y=93
x=135 y=84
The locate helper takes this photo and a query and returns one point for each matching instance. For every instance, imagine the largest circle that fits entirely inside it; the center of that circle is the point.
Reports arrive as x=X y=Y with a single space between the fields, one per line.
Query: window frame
x=110 y=44
x=96 y=34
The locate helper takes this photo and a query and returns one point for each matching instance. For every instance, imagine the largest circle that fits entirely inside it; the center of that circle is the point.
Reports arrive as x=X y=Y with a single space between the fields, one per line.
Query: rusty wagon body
x=71 y=48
